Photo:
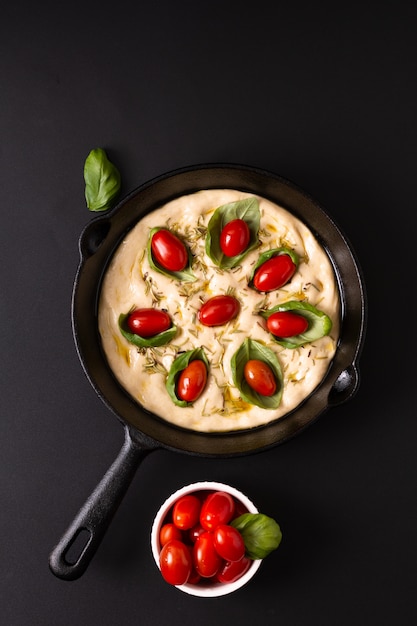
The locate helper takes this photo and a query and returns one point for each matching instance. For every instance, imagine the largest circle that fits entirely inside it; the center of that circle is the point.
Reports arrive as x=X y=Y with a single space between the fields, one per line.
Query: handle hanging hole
x=77 y=546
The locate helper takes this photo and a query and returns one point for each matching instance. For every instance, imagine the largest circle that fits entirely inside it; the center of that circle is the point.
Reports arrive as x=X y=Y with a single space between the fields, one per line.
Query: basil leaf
x=180 y=363
x=261 y=534
x=319 y=324
x=184 y=275
x=247 y=210
x=102 y=181
x=161 y=339
x=265 y=256
x=251 y=349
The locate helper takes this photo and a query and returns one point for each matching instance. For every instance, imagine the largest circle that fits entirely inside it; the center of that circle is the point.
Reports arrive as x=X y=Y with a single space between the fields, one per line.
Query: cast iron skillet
x=145 y=432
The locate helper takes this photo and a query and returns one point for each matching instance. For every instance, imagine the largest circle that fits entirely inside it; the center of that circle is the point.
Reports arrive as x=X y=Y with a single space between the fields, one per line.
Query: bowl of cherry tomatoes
x=200 y=543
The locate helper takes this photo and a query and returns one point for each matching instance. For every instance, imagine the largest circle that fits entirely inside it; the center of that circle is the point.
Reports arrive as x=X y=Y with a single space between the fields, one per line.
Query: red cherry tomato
x=260 y=377
x=195 y=532
x=148 y=322
x=274 y=273
x=194 y=578
x=218 y=508
x=286 y=324
x=186 y=512
x=175 y=561
x=240 y=508
x=233 y=570
x=207 y=560
x=229 y=542
x=235 y=237
x=168 y=532
x=168 y=250
x=218 y=310
x=192 y=381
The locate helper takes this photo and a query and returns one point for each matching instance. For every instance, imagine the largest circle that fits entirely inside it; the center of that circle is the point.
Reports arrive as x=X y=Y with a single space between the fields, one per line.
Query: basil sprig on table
x=161 y=339
x=261 y=534
x=252 y=349
x=102 y=180
x=319 y=324
x=247 y=210
x=179 y=364
x=269 y=254
x=186 y=275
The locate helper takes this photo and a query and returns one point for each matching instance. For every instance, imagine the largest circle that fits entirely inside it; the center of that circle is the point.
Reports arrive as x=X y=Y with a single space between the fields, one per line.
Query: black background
x=325 y=97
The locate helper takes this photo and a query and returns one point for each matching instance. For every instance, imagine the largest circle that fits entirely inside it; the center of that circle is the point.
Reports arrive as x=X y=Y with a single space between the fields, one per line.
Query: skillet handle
x=73 y=553
x=93 y=236
x=345 y=386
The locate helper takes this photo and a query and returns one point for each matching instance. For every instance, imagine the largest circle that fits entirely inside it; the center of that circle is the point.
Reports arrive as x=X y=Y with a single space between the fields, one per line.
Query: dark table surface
x=325 y=98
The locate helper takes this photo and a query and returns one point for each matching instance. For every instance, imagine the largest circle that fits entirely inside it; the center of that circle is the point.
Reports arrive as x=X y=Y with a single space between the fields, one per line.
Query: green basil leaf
x=261 y=534
x=186 y=275
x=179 y=364
x=102 y=181
x=265 y=256
x=161 y=339
x=247 y=210
x=319 y=324
x=251 y=349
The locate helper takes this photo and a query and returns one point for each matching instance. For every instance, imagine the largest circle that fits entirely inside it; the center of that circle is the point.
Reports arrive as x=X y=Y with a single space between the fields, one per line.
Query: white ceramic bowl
x=209 y=589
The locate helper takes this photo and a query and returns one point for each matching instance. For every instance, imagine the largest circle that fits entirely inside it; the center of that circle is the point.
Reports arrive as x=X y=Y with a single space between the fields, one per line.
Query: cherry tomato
x=229 y=542
x=175 y=561
x=235 y=237
x=218 y=508
x=169 y=251
x=274 y=273
x=186 y=512
x=233 y=570
x=195 y=532
x=260 y=377
x=240 y=508
x=148 y=322
x=286 y=324
x=192 y=381
x=218 y=310
x=207 y=560
x=194 y=578
x=168 y=532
